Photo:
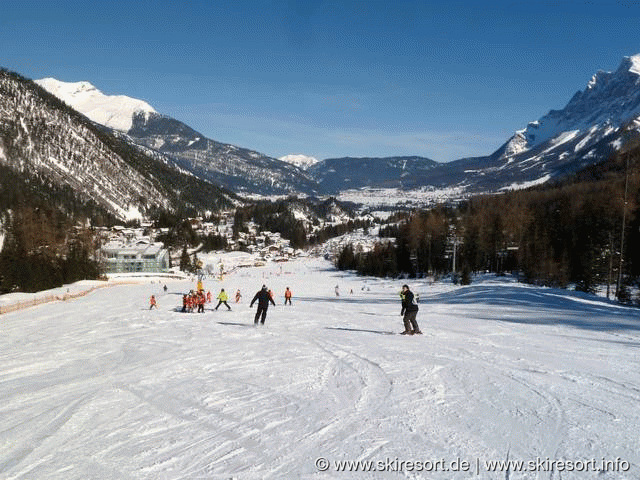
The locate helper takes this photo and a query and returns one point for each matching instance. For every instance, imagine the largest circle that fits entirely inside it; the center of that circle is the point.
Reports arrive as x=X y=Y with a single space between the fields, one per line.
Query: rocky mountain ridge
x=42 y=137
x=595 y=123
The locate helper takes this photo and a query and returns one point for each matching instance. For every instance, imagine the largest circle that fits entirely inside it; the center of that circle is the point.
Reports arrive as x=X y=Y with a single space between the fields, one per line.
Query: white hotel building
x=139 y=256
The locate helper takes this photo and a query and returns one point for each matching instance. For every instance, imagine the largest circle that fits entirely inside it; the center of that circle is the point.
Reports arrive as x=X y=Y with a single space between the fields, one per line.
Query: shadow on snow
x=553 y=307
x=379 y=332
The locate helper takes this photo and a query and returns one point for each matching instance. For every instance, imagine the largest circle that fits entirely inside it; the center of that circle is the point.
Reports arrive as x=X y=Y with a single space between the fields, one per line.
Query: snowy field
x=103 y=388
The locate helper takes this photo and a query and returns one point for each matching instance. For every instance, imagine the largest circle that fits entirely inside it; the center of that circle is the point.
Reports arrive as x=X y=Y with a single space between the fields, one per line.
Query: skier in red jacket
x=287 y=296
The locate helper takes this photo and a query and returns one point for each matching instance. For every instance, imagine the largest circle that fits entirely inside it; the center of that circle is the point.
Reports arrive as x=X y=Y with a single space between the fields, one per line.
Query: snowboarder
x=263 y=299
x=152 y=302
x=222 y=298
x=287 y=296
x=238 y=296
x=409 y=312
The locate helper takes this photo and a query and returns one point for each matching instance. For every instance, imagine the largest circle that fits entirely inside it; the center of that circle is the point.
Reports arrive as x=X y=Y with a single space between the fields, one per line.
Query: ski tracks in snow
x=101 y=387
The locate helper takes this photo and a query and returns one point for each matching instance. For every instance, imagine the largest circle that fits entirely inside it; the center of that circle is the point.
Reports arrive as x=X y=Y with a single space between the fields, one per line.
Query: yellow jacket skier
x=222 y=298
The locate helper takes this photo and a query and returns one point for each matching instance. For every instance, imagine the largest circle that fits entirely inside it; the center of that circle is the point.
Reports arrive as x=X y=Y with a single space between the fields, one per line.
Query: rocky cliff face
x=610 y=100
x=591 y=127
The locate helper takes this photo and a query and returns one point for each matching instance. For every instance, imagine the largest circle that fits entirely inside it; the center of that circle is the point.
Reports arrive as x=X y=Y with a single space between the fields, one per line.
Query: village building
x=139 y=256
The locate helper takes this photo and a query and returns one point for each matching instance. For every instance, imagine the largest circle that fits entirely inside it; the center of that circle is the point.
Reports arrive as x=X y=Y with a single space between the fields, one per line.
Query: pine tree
x=185 y=260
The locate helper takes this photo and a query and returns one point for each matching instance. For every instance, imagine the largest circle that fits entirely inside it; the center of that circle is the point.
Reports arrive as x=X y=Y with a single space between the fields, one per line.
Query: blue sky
x=440 y=79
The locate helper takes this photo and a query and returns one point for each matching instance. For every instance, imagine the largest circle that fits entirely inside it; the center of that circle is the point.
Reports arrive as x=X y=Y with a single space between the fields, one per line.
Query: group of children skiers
x=264 y=296
x=196 y=300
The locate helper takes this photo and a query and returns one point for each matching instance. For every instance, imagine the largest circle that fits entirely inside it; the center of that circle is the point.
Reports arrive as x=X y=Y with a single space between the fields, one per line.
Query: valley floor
x=101 y=387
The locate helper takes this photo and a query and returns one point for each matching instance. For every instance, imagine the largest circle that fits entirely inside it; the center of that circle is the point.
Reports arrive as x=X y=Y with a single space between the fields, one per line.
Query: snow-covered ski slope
x=103 y=388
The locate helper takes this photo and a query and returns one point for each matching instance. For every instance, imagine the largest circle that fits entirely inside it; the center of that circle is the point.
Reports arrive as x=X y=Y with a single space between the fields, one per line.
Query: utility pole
x=624 y=220
x=610 y=264
x=455 y=245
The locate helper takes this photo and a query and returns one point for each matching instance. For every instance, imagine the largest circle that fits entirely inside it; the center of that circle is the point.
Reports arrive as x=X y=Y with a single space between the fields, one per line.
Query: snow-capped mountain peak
x=628 y=65
x=591 y=126
x=301 y=161
x=610 y=100
x=113 y=111
x=233 y=167
x=632 y=63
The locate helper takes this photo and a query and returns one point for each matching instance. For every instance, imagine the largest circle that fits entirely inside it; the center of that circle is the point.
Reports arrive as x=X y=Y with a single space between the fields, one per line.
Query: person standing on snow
x=238 y=296
x=263 y=298
x=201 y=301
x=409 y=312
x=287 y=296
x=152 y=302
x=185 y=302
x=222 y=298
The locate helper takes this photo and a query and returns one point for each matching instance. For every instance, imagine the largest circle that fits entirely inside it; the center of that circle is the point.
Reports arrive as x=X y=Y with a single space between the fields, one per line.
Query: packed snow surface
x=101 y=387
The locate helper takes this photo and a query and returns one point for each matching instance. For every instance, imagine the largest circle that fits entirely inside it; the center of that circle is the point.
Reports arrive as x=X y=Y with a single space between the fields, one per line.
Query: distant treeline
x=556 y=235
x=279 y=217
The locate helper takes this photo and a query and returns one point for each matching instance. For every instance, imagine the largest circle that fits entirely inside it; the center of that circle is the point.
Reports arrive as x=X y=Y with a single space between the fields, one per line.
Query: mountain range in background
x=594 y=124
x=239 y=169
x=123 y=155
x=50 y=151
x=338 y=174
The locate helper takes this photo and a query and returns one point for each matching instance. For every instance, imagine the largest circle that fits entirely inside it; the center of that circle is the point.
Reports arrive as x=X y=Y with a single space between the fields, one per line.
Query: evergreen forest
x=583 y=231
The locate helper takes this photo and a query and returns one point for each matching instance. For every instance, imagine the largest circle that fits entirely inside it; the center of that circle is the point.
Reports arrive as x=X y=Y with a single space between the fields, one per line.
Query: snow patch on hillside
x=524 y=185
x=516 y=145
x=299 y=160
x=634 y=66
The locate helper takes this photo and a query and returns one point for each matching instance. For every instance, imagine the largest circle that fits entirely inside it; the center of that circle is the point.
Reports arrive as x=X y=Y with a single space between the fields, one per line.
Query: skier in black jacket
x=409 y=312
x=263 y=299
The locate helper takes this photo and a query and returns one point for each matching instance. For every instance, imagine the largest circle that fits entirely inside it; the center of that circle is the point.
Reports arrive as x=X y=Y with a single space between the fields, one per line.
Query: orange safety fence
x=63 y=297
